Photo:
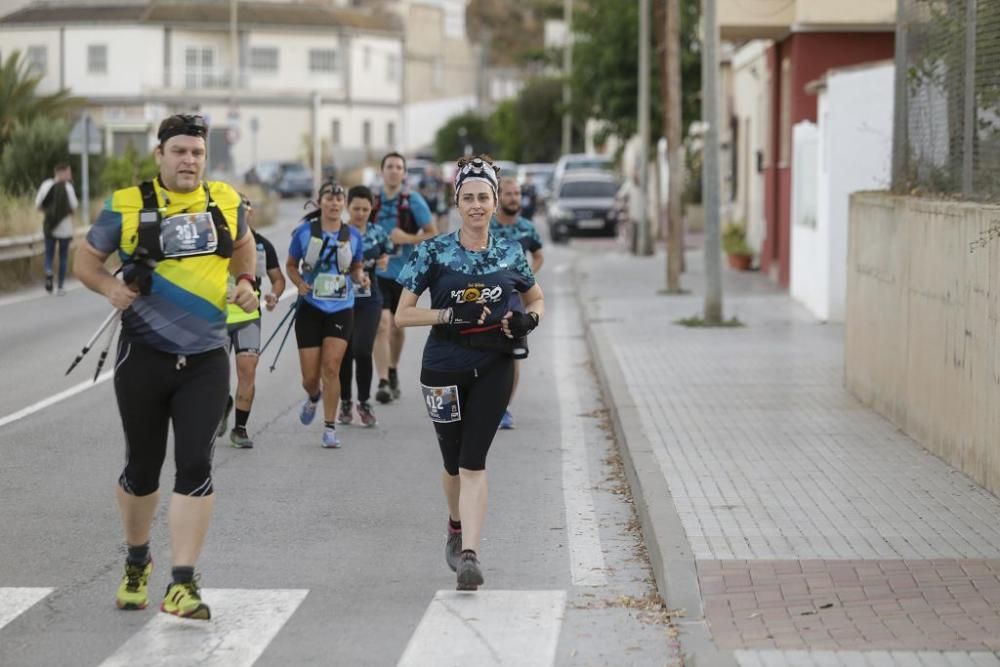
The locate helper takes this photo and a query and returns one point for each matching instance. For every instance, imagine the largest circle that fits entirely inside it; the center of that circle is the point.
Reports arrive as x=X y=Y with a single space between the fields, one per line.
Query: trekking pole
x=107 y=346
x=90 y=343
x=277 y=354
x=280 y=324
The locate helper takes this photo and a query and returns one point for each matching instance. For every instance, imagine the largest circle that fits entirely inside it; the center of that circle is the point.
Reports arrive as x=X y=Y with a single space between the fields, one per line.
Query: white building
x=848 y=150
x=292 y=69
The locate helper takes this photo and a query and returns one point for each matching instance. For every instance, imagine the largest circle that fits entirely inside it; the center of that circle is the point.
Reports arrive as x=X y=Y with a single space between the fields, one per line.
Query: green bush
x=734 y=239
x=128 y=169
x=449 y=142
x=34 y=149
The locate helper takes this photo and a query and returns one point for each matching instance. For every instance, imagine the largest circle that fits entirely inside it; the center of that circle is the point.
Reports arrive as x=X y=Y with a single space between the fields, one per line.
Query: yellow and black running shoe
x=184 y=600
x=133 y=592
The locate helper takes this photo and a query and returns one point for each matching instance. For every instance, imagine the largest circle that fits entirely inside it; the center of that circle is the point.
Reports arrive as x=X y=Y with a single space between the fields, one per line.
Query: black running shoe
x=383 y=394
x=48 y=284
x=394 y=386
x=470 y=577
x=453 y=548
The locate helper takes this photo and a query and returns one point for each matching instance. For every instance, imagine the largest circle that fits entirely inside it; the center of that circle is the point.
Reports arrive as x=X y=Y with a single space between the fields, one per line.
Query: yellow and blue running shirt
x=185 y=312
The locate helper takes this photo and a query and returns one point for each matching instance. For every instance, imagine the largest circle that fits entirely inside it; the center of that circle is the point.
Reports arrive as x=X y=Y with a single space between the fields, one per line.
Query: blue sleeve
x=421 y=211
x=535 y=243
x=295 y=249
x=387 y=245
x=106 y=233
x=525 y=279
x=359 y=245
x=414 y=275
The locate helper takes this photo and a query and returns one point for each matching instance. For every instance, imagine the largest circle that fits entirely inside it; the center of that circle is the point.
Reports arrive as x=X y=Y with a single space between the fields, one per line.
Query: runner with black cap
x=179 y=239
x=325 y=261
x=468 y=361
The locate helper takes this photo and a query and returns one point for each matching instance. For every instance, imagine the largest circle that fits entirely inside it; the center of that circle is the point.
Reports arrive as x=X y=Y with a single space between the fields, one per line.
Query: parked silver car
x=583 y=203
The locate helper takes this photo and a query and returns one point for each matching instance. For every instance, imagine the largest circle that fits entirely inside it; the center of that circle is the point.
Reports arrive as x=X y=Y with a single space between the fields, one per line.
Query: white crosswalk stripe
x=244 y=622
x=488 y=628
x=14 y=601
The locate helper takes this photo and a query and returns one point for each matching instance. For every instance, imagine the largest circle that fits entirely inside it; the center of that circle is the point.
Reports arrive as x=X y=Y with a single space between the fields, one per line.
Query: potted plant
x=734 y=244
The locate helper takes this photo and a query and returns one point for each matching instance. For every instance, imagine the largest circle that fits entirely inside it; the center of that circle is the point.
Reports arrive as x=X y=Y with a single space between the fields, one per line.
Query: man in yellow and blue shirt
x=179 y=239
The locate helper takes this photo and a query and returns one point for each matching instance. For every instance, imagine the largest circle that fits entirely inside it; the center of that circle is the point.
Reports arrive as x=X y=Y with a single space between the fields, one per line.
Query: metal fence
x=947 y=106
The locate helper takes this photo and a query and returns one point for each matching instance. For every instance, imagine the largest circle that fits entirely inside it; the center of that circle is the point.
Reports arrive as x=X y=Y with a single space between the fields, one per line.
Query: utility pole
x=710 y=163
x=317 y=165
x=567 y=119
x=675 y=149
x=644 y=245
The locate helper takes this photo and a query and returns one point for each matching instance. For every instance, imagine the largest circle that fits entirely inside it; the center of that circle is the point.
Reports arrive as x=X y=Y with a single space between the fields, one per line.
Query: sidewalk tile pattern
x=863 y=659
x=940 y=604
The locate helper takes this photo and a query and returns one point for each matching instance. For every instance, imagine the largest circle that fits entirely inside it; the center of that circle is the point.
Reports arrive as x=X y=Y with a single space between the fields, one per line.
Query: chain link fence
x=947 y=105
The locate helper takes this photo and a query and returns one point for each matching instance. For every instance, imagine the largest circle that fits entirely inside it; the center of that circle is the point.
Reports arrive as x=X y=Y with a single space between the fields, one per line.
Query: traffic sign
x=84 y=127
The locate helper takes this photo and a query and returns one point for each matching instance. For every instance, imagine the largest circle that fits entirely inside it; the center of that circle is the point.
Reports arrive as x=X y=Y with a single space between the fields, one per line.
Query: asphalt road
x=320 y=557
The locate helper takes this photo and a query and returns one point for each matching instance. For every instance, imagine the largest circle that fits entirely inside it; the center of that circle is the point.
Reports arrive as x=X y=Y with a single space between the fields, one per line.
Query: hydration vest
x=404 y=215
x=151 y=219
x=345 y=256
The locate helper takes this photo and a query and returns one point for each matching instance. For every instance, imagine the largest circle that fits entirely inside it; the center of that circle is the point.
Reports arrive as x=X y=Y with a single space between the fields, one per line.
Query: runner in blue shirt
x=508 y=224
x=367 y=310
x=468 y=361
x=404 y=215
x=325 y=260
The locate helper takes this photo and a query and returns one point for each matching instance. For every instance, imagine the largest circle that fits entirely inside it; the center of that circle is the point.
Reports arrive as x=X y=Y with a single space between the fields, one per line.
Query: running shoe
x=394 y=387
x=366 y=414
x=133 y=592
x=224 y=423
x=453 y=548
x=507 y=421
x=184 y=600
x=308 y=412
x=48 y=284
x=60 y=292
x=470 y=577
x=346 y=415
x=383 y=394
x=330 y=439
x=239 y=439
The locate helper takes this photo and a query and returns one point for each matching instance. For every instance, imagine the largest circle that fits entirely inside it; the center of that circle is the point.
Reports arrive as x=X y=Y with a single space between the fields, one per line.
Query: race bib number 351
x=188 y=234
x=442 y=404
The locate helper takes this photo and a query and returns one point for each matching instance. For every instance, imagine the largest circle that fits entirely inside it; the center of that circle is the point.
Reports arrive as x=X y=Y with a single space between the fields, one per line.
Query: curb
x=670 y=555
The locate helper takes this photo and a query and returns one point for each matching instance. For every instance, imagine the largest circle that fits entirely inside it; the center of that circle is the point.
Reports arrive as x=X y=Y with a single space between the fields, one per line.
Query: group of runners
x=193 y=283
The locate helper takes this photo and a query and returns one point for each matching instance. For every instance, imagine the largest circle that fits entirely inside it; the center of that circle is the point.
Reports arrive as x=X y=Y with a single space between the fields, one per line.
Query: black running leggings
x=483 y=395
x=359 y=352
x=156 y=389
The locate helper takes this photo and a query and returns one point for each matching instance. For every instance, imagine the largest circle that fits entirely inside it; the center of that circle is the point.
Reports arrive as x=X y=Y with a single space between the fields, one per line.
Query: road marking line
x=243 y=623
x=55 y=398
x=16 y=601
x=488 y=628
x=586 y=554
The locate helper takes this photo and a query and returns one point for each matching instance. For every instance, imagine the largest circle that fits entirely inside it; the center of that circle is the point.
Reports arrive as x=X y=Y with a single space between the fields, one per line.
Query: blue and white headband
x=476 y=170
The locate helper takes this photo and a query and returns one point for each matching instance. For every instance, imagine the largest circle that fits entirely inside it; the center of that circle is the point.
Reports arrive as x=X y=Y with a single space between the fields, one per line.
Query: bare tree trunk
x=675 y=150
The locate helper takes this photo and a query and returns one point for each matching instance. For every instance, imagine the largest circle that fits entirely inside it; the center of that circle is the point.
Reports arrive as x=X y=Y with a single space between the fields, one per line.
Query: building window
x=200 y=68
x=335 y=133
x=322 y=60
x=97 y=59
x=390 y=134
x=785 y=131
x=366 y=134
x=38 y=60
x=391 y=67
x=264 y=59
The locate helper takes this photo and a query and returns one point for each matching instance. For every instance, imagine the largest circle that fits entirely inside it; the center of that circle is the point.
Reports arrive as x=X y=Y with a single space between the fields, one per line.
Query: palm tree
x=20 y=101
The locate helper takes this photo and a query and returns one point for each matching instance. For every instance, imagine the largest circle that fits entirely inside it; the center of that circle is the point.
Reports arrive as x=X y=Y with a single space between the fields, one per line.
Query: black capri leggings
x=483 y=395
x=359 y=352
x=155 y=389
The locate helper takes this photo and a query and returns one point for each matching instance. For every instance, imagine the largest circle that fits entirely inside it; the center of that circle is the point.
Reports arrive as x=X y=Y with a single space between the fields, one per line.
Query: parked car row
x=287 y=179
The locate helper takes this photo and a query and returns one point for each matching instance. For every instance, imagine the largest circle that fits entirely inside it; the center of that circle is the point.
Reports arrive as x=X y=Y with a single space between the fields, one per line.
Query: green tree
x=605 y=62
x=539 y=113
x=33 y=149
x=505 y=129
x=128 y=169
x=20 y=101
x=468 y=128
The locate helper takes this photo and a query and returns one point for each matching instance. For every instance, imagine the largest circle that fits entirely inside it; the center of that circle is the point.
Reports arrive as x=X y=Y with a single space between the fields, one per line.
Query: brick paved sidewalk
x=820 y=535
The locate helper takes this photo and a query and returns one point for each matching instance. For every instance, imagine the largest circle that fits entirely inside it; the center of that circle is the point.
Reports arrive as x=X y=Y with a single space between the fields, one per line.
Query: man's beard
x=510 y=211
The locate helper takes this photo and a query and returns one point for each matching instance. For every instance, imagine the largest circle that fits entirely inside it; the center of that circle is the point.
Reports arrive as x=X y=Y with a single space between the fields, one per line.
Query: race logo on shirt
x=477 y=292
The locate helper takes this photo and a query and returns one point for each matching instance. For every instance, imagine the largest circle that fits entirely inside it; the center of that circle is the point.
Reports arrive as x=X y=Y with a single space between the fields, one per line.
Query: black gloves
x=521 y=324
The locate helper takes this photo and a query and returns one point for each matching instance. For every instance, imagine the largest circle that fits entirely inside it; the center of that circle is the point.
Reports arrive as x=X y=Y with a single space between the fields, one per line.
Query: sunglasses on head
x=332 y=188
x=187 y=124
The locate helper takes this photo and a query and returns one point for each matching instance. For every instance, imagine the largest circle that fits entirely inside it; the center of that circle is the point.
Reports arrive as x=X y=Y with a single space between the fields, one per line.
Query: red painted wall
x=811 y=54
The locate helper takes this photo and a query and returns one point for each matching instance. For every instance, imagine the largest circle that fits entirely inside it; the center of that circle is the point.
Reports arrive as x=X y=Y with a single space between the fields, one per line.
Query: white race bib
x=188 y=234
x=330 y=287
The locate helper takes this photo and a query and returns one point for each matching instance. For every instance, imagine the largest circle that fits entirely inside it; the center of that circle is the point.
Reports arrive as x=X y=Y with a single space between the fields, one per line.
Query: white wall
x=370 y=75
x=19 y=39
x=810 y=275
x=126 y=74
x=854 y=153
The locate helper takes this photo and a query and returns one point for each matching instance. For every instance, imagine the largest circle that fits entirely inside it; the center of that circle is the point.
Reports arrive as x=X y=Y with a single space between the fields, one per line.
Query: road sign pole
x=85 y=168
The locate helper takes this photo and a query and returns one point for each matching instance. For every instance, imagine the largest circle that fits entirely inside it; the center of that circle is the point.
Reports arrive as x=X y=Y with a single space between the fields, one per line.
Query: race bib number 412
x=442 y=403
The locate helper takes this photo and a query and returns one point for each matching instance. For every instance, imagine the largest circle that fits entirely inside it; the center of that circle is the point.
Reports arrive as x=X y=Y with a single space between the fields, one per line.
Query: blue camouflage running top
x=455 y=276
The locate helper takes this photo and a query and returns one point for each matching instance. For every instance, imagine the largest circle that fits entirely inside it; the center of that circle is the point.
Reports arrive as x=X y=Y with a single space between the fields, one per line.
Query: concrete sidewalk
x=793 y=525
